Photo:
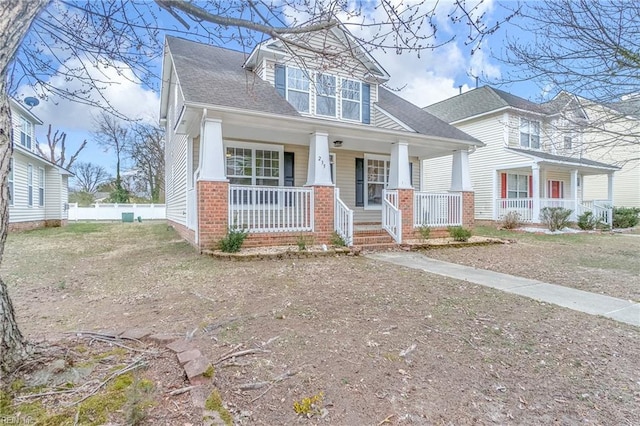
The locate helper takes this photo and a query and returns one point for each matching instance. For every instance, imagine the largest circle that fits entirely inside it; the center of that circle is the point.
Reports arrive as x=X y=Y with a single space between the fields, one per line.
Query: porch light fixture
x=337 y=144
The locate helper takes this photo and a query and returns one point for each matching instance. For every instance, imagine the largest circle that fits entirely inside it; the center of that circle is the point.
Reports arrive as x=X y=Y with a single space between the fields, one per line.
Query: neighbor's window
x=351 y=99
x=10 y=181
x=41 y=187
x=529 y=133
x=568 y=142
x=30 y=185
x=254 y=166
x=377 y=178
x=517 y=186
x=26 y=131
x=298 y=89
x=326 y=95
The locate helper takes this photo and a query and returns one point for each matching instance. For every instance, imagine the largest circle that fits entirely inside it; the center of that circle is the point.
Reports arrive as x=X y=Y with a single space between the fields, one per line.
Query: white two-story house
x=532 y=157
x=38 y=189
x=284 y=142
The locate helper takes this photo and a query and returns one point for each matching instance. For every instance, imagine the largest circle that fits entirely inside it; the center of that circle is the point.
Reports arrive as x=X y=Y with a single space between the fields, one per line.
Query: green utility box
x=127 y=217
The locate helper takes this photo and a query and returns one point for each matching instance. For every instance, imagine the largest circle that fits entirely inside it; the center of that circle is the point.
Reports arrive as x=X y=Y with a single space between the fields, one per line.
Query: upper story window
x=26 y=131
x=529 y=133
x=568 y=142
x=326 y=95
x=298 y=89
x=351 y=99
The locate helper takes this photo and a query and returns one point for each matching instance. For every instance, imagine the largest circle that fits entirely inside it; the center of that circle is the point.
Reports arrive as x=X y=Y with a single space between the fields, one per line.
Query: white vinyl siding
x=176 y=179
x=29 y=185
x=383 y=120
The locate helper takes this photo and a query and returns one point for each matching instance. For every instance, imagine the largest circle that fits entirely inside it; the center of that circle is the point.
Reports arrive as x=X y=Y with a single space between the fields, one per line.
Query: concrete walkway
x=583 y=301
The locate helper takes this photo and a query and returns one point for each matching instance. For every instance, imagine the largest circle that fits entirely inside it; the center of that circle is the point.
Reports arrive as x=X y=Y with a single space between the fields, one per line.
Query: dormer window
x=326 y=95
x=298 y=89
x=26 y=130
x=351 y=99
x=529 y=133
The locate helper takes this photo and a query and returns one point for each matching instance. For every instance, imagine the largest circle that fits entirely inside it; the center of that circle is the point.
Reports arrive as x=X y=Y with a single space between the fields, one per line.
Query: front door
x=555 y=189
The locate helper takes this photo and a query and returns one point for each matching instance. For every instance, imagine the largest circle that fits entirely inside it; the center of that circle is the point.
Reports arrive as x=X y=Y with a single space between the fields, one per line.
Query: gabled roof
x=24 y=111
x=214 y=76
x=418 y=119
x=19 y=148
x=480 y=101
x=562 y=159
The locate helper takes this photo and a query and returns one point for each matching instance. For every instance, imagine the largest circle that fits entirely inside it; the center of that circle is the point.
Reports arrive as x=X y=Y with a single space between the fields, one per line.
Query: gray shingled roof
x=418 y=119
x=214 y=75
x=479 y=101
x=552 y=157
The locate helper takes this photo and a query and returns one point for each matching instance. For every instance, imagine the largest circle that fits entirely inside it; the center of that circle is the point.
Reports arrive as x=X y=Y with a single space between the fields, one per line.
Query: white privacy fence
x=437 y=209
x=101 y=211
x=271 y=208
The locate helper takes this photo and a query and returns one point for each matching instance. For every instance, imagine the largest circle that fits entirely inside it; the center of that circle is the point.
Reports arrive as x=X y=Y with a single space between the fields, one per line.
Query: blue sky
x=433 y=76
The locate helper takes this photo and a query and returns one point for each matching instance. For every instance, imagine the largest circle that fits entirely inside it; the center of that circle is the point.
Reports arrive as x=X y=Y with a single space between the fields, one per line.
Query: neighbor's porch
x=528 y=190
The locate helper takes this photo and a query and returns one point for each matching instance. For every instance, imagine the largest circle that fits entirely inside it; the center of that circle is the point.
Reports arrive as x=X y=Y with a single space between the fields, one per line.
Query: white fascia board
x=22 y=150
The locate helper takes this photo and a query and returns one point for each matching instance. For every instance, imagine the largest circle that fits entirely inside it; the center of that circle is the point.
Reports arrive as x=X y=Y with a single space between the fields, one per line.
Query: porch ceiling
x=354 y=137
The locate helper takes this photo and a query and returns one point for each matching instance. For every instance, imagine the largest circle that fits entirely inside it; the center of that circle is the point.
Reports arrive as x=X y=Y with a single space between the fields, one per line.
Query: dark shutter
x=281 y=80
x=366 y=103
x=359 y=182
x=411 y=174
x=288 y=169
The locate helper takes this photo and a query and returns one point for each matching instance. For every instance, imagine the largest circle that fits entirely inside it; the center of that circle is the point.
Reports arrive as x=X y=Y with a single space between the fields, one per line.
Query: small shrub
x=511 y=220
x=337 y=240
x=555 y=218
x=308 y=406
x=587 y=221
x=424 y=231
x=233 y=241
x=625 y=217
x=303 y=242
x=458 y=233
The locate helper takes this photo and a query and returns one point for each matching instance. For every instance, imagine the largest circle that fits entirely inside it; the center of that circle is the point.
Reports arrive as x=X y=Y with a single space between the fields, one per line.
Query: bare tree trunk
x=16 y=17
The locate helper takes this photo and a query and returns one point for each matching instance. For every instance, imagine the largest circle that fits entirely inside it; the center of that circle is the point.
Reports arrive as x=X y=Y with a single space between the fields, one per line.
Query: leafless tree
x=147 y=153
x=89 y=176
x=73 y=38
x=57 y=148
x=590 y=49
x=114 y=135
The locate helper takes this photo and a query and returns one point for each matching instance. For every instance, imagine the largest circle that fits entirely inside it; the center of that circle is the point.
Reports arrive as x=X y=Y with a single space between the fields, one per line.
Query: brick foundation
x=323 y=211
x=468 y=209
x=35 y=224
x=266 y=239
x=213 y=212
x=405 y=204
x=187 y=234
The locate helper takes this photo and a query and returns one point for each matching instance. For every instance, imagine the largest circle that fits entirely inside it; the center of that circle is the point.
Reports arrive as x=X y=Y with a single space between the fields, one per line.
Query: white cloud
x=119 y=87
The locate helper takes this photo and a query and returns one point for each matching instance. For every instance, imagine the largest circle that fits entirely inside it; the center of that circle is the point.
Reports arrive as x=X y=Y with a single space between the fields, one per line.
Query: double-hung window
x=517 y=186
x=298 y=89
x=41 y=187
x=377 y=179
x=253 y=164
x=10 y=181
x=351 y=99
x=326 y=95
x=30 y=185
x=529 y=133
x=26 y=130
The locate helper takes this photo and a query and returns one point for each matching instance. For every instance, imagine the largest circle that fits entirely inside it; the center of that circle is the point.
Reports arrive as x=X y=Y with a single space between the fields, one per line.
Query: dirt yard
x=375 y=344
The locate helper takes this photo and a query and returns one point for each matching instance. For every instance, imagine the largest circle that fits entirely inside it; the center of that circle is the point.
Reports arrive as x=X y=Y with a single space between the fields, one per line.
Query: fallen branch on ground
x=182 y=390
x=240 y=353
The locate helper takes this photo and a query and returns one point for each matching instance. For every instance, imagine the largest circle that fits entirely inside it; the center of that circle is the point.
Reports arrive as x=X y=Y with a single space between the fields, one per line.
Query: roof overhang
x=566 y=163
x=14 y=104
x=22 y=150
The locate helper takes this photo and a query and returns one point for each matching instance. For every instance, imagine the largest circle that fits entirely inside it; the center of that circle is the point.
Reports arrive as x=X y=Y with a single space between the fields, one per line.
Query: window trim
x=41 y=183
x=10 y=182
x=318 y=95
x=27 y=132
x=343 y=99
x=286 y=87
x=253 y=147
x=387 y=160
x=517 y=191
x=29 y=185
x=529 y=133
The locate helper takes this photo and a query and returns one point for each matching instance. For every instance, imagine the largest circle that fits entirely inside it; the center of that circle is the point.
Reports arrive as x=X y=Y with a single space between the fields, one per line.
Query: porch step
x=373 y=239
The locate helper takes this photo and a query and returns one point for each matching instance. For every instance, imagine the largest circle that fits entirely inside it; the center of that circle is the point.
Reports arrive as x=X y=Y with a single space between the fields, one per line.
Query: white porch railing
x=271 y=208
x=601 y=210
x=437 y=209
x=522 y=206
x=391 y=215
x=343 y=220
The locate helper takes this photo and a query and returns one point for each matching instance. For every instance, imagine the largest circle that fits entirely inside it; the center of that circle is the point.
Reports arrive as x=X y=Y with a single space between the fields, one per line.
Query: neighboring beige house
x=532 y=157
x=38 y=189
x=284 y=143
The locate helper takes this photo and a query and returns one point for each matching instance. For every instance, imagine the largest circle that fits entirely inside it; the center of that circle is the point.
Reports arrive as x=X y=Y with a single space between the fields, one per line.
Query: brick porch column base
x=213 y=212
x=405 y=204
x=468 y=209
x=323 y=213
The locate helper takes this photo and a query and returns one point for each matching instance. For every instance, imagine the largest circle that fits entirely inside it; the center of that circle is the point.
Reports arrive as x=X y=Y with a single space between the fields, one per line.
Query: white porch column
x=319 y=169
x=535 y=183
x=212 y=158
x=460 y=177
x=610 y=187
x=399 y=173
x=574 y=193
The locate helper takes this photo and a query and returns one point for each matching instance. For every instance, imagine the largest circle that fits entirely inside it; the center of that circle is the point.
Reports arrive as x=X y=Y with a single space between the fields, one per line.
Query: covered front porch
x=529 y=188
x=300 y=181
